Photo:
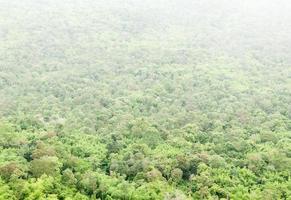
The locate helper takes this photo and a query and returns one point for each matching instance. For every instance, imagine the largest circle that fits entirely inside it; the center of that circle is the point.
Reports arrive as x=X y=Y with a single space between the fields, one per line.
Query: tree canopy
x=145 y=100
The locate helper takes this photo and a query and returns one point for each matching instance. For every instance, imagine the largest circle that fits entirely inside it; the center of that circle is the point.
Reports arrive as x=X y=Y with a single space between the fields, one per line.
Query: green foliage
x=154 y=99
x=6 y=192
x=45 y=165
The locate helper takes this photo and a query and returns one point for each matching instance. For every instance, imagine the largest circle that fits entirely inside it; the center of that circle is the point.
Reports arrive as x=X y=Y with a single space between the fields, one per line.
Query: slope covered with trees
x=145 y=99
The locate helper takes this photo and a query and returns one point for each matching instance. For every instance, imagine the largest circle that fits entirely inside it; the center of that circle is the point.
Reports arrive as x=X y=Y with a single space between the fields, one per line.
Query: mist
x=145 y=99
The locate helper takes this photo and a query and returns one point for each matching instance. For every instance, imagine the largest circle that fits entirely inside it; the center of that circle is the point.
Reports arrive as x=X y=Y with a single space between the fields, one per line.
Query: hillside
x=148 y=100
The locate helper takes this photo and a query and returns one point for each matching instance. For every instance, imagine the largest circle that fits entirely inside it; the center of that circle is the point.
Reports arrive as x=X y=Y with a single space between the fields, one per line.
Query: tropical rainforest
x=145 y=99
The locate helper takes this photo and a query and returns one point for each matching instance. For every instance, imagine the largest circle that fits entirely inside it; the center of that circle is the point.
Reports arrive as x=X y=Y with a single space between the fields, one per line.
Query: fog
x=232 y=26
x=145 y=99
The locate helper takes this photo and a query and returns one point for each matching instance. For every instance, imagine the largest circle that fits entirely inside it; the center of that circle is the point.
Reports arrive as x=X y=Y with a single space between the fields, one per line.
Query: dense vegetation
x=149 y=99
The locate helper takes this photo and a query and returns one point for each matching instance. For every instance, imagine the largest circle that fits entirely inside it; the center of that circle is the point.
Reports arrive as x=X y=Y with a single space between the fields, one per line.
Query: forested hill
x=145 y=99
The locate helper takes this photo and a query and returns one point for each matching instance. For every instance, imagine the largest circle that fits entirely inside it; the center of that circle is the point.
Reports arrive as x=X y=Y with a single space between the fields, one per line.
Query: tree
x=6 y=192
x=176 y=174
x=45 y=165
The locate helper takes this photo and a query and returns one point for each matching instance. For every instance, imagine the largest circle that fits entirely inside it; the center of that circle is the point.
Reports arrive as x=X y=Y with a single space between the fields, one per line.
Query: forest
x=145 y=100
